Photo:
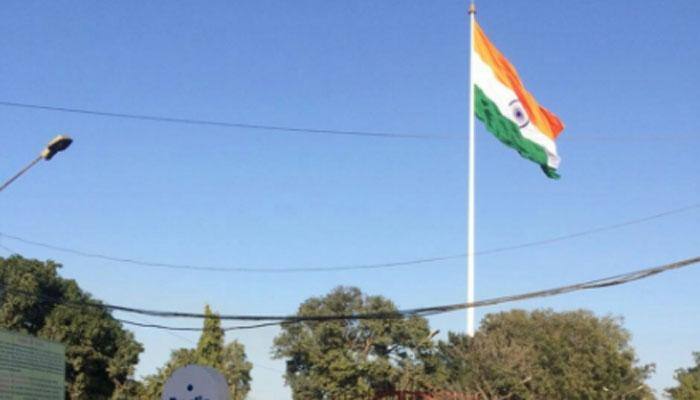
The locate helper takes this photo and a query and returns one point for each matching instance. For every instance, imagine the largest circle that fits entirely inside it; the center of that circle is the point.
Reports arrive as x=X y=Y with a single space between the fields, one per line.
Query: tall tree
x=229 y=359
x=100 y=354
x=521 y=355
x=688 y=387
x=210 y=348
x=355 y=359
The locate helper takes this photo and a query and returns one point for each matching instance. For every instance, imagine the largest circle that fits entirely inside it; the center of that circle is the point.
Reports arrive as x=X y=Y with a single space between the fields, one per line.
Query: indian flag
x=508 y=110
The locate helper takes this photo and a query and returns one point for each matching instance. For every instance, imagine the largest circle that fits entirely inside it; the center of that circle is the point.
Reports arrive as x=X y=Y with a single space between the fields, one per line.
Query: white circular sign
x=195 y=382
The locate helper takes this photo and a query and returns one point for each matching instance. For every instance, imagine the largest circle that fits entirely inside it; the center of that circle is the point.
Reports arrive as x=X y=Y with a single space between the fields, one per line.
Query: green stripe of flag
x=509 y=133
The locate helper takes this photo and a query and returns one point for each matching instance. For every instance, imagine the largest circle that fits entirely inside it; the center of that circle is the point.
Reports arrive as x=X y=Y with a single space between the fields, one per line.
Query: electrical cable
x=193 y=329
x=191 y=267
x=188 y=340
x=591 y=231
x=271 y=320
x=292 y=129
x=393 y=264
x=223 y=124
x=7 y=249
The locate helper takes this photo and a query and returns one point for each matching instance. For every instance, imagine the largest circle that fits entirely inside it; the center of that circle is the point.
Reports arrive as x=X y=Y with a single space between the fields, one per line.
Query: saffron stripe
x=505 y=72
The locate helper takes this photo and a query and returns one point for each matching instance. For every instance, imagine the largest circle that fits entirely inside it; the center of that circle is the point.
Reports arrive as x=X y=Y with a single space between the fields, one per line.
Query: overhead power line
x=224 y=124
x=8 y=250
x=592 y=231
x=385 y=265
x=302 y=130
x=188 y=340
x=191 y=329
x=227 y=269
x=271 y=320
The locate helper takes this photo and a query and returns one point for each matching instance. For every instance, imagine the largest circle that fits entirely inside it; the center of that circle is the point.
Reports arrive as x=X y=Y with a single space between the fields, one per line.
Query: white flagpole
x=471 y=183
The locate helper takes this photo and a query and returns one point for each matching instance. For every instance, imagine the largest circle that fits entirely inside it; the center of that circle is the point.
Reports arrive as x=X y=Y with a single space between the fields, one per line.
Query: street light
x=56 y=145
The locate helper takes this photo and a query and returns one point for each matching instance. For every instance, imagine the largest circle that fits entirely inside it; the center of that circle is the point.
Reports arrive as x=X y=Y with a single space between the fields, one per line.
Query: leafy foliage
x=546 y=355
x=688 y=379
x=355 y=359
x=100 y=354
x=229 y=359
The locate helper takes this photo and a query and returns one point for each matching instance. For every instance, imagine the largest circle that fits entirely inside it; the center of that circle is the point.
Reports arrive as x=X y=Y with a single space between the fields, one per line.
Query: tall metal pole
x=20 y=173
x=471 y=179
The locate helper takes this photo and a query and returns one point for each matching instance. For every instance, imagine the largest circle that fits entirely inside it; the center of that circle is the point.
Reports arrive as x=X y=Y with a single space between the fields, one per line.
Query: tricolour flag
x=508 y=110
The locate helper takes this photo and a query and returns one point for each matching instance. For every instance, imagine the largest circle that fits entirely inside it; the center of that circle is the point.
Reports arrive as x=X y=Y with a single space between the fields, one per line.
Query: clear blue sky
x=622 y=76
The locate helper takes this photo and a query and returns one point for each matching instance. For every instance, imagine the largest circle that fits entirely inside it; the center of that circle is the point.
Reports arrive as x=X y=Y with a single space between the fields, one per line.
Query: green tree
x=520 y=355
x=210 y=348
x=688 y=379
x=100 y=354
x=355 y=359
x=229 y=359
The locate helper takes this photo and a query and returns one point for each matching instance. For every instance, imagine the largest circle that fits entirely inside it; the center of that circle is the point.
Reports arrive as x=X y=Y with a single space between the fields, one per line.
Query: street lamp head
x=57 y=144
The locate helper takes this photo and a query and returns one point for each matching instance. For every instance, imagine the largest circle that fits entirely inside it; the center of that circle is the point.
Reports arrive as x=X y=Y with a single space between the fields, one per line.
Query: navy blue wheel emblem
x=518 y=113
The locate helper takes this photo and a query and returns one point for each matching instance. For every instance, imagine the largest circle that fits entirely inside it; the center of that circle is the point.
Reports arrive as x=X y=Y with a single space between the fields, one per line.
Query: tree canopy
x=355 y=359
x=688 y=387
x=515 y=355
x=229 y=359
x=522 y=355
x=100 y=354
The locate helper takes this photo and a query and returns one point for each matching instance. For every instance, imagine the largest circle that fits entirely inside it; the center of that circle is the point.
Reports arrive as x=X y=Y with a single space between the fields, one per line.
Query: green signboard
x=31 y=368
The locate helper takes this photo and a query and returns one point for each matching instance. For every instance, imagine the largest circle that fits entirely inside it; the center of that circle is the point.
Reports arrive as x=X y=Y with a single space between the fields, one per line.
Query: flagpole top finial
x=472 y=8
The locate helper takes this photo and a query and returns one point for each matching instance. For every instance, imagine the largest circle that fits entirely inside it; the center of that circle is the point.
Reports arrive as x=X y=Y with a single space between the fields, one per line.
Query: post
x=20 y=173
x=471 y=180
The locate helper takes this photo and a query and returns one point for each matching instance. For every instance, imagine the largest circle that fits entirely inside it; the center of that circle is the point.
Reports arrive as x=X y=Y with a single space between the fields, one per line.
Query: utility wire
x=270 y=320
x=225 y=269
x=301 y=130
x=592 y=231
x=169 y=331
x=192 y=329
x=172 y=333
x=392 y=264
x=7 y=249
x=223 y=124
x=172 y=330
